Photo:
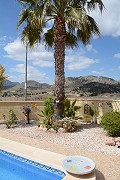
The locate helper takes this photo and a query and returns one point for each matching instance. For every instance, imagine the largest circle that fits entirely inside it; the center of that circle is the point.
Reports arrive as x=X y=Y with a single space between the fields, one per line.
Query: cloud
x=79 y=63
x=90 y=48
x=99 y=72
x=109 y=21
x=32 y=74
x=77 y=59
x=117 y=55
x=38 y=56
x=15 y=50
x=3 y=40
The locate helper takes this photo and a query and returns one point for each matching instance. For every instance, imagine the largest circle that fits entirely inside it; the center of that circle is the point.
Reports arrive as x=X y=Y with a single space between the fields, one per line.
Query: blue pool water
x=14 y=167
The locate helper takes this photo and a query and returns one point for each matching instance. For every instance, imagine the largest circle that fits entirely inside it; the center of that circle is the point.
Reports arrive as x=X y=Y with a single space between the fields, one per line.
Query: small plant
x=47 y=114
x=48 y=110
x=70 y=125
x=111 y=123
x=87 y=118
x=12 y=119
x=70 y=109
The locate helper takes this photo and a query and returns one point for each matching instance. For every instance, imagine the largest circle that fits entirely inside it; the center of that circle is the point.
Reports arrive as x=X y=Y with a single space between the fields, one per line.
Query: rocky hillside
x=91 y=85
x=31 y=85
x=74 y=86
x=8 y=84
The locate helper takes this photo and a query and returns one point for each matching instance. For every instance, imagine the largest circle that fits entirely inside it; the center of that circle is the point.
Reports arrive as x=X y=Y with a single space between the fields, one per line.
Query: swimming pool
x=13 y=167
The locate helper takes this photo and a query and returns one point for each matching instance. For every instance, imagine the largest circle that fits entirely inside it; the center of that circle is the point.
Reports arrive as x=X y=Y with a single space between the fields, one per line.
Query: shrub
x=70 y=125
x=111 y=123
x=70 y=109
x=47 y=114
x=48 y=110
x=87 y=118
x=12 y=119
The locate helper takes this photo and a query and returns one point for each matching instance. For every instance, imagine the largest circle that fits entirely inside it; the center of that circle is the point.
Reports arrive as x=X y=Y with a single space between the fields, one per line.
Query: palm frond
x=93 y=4
x=26 y=2
x=71 y=40
x=79 y=26
x=23 y=17
x=49 y=38
x=87 y=28
x=74 y=13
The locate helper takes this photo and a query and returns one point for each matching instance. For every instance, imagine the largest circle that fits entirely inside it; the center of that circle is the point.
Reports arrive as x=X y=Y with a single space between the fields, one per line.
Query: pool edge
x=40 y=156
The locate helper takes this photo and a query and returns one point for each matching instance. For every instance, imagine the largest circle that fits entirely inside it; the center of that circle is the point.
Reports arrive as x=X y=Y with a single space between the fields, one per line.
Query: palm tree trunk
x=59 y=55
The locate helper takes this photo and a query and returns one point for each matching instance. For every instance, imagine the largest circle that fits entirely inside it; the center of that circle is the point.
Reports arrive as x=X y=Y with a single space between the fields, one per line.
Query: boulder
x=110 y=142
x=117 y=139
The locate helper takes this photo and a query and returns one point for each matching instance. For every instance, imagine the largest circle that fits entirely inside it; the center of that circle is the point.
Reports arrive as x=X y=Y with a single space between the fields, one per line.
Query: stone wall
x=102 y=106
x=17 y=106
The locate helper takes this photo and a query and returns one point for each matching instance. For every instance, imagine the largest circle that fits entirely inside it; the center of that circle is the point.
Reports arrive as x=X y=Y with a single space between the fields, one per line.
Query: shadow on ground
x=99 y=175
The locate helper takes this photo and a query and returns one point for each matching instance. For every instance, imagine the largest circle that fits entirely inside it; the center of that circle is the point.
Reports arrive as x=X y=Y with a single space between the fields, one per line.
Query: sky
x=99 y=58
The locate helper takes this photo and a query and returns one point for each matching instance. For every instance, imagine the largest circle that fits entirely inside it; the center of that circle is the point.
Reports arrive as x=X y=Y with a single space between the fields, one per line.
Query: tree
x=71 y=24
x=2 y=76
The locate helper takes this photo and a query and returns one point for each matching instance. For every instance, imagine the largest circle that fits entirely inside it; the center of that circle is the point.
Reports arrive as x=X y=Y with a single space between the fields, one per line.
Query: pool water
x=14 y=167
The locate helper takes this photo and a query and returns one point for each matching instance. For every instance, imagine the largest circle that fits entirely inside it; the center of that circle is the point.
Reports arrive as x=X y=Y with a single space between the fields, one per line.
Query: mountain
x=74 y=86
x=31 y=85
x=8 y=84
x=91 y=85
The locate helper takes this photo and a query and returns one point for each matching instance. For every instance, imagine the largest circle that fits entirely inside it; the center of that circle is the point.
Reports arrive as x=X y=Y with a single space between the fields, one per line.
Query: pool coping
x=41 y=156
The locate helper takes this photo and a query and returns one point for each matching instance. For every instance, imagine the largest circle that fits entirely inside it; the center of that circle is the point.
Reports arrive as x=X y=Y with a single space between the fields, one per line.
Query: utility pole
x=25 y=98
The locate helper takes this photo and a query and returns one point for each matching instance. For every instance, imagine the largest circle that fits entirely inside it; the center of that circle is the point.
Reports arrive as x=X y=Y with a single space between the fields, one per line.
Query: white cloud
x=32 y=74
x=80 y=63
x=38 y=55
x=100 y=72
x=117 y=55
x=90 y=48
x=3 y=40
x=109 y=21
x=15 y=50
x=77 y=60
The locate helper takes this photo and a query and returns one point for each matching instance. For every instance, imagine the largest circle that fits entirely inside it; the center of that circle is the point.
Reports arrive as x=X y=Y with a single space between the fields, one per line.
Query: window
x=86 y=109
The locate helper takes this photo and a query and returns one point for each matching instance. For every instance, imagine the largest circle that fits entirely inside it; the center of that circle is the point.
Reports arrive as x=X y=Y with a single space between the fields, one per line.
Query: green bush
x=87 y=118
x=111 y=123
x=12 y=119
x=70 y=109
x=48 y=110
x=47 y=114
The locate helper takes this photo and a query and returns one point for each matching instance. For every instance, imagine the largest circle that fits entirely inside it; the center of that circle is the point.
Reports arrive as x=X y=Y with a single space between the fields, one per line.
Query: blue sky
x=100 y=58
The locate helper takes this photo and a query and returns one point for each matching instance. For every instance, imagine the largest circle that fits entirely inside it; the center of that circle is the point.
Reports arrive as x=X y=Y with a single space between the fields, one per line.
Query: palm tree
x=70 y=24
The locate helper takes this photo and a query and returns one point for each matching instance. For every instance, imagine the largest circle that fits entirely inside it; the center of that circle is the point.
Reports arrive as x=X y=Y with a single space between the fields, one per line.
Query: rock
x=117 y=144
x=61 y=130
x=110 y=142
x=117 y=139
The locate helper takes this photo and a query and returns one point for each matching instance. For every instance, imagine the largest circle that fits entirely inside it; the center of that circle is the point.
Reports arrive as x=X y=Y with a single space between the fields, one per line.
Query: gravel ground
x=89 y=141
x=88 y=137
